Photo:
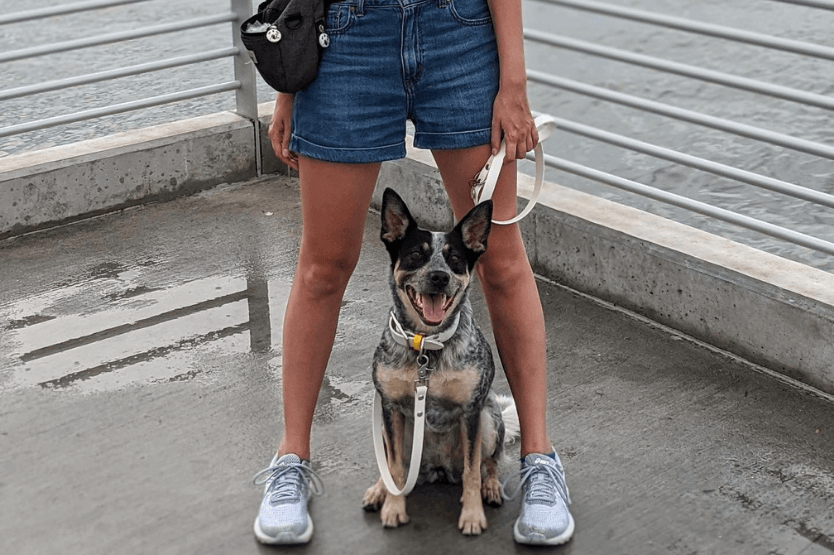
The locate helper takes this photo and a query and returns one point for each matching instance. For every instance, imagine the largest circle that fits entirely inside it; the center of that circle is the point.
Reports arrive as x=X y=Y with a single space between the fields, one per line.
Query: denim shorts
x=433 y=62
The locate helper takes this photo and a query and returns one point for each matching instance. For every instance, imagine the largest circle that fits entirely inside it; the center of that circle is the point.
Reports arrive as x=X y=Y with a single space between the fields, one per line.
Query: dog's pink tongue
x=433 y=308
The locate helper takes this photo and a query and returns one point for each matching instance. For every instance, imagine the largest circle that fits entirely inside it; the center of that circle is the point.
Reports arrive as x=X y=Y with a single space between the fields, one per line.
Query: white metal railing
x=813 y=148
x=244 y=86
x=243 y=83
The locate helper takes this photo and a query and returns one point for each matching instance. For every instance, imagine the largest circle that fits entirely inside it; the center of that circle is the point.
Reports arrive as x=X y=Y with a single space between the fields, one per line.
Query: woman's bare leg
x=334 y=202
x=510 y=291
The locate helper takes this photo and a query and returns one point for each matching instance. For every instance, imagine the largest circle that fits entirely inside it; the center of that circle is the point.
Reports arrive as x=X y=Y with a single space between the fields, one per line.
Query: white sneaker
x=283 y=517
x=545 y=518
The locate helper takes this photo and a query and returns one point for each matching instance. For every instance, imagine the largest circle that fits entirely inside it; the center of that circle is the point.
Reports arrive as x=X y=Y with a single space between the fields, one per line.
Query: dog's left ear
x=474 y=227
x=396 y=219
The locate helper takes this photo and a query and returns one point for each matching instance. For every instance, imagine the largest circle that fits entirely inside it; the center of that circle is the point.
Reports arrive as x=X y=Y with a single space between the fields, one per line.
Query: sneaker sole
x=287 y=538
x=541 y=540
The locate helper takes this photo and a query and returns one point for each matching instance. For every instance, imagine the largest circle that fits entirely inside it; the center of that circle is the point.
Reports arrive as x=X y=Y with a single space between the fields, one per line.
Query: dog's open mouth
x=432 y=308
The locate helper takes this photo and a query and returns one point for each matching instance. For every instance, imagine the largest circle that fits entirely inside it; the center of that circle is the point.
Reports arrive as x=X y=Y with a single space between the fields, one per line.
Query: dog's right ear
x=396 y=219
x=475 y=227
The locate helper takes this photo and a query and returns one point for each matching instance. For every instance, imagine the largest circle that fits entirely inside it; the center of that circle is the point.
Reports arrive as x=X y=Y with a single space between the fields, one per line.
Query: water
x=784 y=20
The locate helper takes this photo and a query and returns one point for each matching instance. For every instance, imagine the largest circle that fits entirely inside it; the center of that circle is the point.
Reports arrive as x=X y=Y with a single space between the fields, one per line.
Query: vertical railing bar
x=246 y=97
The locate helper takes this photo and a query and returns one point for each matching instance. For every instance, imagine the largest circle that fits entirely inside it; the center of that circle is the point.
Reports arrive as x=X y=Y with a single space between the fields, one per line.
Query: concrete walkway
x=139 y=393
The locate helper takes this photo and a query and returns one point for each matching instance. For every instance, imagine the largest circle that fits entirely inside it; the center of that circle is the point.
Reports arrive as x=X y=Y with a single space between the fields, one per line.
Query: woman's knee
x=325 y=276
x=500 y=270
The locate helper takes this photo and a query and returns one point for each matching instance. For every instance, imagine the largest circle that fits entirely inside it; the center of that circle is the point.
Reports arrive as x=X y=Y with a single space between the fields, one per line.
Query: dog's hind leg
x=492 y=437
x=491 y=486
x=472 y=518
x=393 y=506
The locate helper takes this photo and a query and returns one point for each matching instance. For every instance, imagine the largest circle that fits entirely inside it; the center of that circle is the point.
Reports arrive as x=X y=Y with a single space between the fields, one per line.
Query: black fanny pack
x=285 y=39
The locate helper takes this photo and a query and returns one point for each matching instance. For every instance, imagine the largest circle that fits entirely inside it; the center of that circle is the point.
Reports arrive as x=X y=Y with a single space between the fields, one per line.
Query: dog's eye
x=416 y=255
x=454 y=259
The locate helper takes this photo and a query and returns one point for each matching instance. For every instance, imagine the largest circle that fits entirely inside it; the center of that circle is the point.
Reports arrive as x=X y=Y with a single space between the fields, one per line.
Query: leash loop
x=483 y=184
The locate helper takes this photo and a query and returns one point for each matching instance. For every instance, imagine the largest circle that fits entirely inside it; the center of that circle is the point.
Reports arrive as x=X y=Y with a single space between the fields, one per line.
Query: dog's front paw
x=393 y=511
x=472 y=521
x=374 y=496
x=491 y=491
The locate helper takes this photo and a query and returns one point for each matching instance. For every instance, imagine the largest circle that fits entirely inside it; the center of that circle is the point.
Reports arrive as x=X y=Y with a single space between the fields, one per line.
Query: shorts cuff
x=347 y=155
x=443 y=141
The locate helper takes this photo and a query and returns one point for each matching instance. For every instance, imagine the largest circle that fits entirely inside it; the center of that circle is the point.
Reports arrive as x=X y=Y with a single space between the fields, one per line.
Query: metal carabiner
x=422 y=369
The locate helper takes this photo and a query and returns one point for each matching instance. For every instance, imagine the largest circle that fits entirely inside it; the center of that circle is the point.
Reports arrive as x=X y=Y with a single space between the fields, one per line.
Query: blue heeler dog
x=466 y=422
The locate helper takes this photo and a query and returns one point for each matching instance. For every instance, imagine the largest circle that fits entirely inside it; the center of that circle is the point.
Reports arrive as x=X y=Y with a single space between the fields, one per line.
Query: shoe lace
x=543 y=482
x=287 y=480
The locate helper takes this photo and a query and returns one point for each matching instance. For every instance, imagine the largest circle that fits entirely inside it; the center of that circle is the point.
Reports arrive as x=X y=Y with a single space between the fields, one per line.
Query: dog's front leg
x=472 y=518
x=393 y=508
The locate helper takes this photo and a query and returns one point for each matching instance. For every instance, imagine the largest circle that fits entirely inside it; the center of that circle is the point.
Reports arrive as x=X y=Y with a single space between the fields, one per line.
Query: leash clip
x=484 y=182
x=423 y=371
x=477 y=182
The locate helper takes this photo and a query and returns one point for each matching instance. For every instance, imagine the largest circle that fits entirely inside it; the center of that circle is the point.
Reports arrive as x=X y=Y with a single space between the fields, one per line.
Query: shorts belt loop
x=442 y=3
x=360 y=8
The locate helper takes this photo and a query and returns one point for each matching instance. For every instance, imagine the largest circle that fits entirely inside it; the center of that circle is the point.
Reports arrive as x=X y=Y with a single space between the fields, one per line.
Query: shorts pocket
x=340 y=18
x=471 y=12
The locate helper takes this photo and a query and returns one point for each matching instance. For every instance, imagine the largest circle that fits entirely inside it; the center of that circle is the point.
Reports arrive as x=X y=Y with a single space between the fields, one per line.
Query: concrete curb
x=771 y=311
x=766 y=309
x=61 y=184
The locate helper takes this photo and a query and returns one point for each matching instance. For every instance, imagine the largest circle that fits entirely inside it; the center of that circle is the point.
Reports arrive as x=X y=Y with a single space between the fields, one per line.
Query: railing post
x=246 y=97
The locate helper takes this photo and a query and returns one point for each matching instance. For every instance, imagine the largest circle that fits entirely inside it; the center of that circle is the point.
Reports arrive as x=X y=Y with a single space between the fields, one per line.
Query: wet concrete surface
x=140 y=362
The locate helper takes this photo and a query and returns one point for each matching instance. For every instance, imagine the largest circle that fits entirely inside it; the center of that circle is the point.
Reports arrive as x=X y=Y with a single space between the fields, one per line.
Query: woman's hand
x=280 y=129
x=511 y=118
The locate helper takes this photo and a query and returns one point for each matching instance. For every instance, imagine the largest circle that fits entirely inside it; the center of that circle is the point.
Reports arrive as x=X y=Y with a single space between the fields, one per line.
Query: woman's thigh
x=334 y=202
x=458 y=167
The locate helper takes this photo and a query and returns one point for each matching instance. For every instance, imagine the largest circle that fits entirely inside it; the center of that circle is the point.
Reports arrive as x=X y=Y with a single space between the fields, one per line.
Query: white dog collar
x=420 y=342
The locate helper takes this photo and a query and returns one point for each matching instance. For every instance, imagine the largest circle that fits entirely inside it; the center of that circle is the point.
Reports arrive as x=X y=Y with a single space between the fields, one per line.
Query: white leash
x=419 y=343
x=484 y=183
x=416 y=447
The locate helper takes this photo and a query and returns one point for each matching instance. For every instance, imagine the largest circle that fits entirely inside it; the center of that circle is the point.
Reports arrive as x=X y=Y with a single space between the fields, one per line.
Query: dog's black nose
x=439 y=279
